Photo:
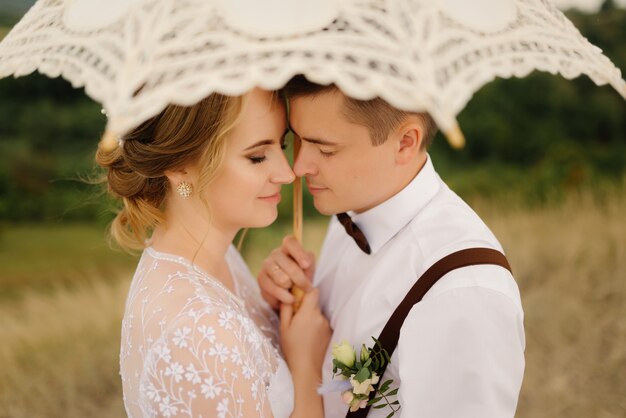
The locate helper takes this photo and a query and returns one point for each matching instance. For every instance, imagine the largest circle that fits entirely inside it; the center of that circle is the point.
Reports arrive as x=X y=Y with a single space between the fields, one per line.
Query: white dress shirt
x=461 y=349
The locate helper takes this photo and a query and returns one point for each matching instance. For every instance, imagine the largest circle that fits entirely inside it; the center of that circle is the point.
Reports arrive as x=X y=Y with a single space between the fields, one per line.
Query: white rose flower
x=364 y=387
x=356 y=404
x=344 y=353
x=375 y=378
x=347 y=396
x=361 y=388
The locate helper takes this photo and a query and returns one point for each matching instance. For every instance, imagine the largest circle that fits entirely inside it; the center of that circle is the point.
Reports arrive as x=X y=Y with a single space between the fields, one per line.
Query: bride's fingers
x=271 y=300
x=287 y=272
x=310 y=271
x=276 y=271
x=268 y=286
x=310 y=301
x=292 y=247
x=286 y=313
x=272 y=269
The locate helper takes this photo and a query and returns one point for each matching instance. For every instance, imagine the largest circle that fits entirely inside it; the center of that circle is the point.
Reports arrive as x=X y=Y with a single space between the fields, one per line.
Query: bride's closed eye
x=257 y=159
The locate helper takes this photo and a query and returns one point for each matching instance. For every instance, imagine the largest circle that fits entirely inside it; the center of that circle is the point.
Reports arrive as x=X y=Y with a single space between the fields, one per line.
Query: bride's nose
x=282 y=172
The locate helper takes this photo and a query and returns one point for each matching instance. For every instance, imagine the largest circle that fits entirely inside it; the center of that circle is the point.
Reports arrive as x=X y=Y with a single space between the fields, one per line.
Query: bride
x=197 y=339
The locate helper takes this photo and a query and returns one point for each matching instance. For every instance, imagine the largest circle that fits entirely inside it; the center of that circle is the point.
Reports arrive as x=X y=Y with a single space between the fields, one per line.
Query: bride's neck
x=194 y=238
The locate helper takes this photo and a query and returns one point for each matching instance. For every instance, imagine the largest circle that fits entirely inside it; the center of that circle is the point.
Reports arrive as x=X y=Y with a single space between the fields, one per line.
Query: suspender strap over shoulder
x=391 y=332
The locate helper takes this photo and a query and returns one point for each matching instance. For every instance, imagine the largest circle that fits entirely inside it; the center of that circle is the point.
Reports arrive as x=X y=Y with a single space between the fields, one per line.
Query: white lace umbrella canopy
x=137 y=56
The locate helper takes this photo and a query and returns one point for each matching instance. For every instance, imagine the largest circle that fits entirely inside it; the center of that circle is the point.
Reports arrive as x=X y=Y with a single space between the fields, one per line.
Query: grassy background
x=36 y=258
x=60 y=346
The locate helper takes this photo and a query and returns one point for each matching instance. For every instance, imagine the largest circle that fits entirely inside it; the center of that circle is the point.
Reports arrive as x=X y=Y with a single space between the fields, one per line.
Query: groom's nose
x=305 y=164
x=282 y=173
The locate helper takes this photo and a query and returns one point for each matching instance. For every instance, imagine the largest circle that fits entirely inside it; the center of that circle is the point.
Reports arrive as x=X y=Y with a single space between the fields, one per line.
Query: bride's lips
x=275 y=198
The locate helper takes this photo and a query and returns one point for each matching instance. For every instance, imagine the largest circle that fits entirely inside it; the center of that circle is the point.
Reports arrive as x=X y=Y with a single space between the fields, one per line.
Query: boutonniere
x=358 y=375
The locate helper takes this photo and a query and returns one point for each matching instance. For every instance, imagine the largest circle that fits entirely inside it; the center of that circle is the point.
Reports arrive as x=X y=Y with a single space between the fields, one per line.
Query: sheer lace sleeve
x=191 y=349
x=205 y=365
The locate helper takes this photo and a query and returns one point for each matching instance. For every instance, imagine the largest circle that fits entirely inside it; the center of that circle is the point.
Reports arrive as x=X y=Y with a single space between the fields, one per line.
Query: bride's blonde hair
x=178 y=136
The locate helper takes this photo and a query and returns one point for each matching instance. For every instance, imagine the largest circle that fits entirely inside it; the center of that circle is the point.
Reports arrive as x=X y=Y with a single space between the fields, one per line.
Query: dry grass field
x=59 y=347
x=570 y=263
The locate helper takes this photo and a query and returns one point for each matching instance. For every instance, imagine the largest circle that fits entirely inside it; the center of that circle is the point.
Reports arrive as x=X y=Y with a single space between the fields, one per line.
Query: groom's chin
x=327 y=210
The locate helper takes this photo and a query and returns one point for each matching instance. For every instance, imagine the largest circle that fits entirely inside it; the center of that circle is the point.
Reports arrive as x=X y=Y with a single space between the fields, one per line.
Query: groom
x=460 y=351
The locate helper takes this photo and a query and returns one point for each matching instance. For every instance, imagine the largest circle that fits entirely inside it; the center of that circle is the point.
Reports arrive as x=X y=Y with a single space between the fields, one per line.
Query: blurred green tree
x=532 y=136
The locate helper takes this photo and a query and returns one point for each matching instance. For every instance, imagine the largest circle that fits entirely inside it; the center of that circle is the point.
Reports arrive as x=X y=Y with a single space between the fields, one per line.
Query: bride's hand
x=304 y=337
x=286 y=266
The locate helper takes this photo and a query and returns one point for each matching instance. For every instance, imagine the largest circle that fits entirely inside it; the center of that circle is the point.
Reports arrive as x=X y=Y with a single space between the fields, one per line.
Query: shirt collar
x=382 y=222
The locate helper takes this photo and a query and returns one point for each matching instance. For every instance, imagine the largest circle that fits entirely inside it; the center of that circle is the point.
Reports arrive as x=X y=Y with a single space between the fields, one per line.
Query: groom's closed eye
x=326 y=148
x=317 y=141
x=327 y=153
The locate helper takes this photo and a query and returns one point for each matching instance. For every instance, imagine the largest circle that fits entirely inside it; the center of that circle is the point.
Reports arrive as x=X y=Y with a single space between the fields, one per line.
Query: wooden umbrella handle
x=297 y=199
x=297 y=220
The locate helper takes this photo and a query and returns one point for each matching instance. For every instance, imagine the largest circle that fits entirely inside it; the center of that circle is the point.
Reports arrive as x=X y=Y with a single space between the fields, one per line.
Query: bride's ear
x=177 y=175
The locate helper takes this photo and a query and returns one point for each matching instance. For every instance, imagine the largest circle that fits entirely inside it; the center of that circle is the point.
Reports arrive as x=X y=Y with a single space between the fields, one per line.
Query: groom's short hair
x=375 y=114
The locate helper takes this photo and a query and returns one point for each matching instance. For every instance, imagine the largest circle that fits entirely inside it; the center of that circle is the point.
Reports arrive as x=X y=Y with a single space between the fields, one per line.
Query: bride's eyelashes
x=257 y=159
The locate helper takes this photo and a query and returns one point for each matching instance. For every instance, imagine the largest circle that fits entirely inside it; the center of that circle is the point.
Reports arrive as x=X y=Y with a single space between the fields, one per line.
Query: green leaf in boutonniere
x=362 y=374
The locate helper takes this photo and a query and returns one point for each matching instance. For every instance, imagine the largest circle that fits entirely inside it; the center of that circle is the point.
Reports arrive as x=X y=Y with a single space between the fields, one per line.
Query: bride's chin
x=263 y=222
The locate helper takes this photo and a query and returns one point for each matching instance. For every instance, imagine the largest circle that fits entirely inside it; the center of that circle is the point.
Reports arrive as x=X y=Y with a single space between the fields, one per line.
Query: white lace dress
x=192 y=348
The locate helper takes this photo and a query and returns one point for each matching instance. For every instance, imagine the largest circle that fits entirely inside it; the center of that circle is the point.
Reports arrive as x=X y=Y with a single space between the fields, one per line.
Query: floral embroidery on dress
x=190 y=347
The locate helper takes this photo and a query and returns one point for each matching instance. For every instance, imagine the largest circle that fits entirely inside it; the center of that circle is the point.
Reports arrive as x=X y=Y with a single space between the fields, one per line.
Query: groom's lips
x=315 y=189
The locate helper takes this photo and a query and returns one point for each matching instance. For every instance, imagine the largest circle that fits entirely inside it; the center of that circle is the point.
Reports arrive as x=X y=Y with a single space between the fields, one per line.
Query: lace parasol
x=137 y=56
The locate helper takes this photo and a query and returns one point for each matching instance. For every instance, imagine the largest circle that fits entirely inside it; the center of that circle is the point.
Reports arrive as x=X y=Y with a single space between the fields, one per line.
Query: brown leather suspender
x=391 y=332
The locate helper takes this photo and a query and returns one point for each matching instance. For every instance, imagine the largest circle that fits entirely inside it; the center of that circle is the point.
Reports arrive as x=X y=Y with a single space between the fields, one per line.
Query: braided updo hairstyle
x=178 y=136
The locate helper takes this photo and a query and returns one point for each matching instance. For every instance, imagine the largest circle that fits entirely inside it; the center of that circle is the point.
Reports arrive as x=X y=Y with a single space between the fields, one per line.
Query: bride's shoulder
x=169 y=280
x=169 y=294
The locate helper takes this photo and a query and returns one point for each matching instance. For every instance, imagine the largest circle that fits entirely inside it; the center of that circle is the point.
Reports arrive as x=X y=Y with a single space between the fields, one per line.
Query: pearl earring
x=184 y=189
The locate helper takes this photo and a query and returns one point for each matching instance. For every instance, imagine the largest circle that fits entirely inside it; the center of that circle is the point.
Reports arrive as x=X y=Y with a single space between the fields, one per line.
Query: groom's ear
x=409 y=136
